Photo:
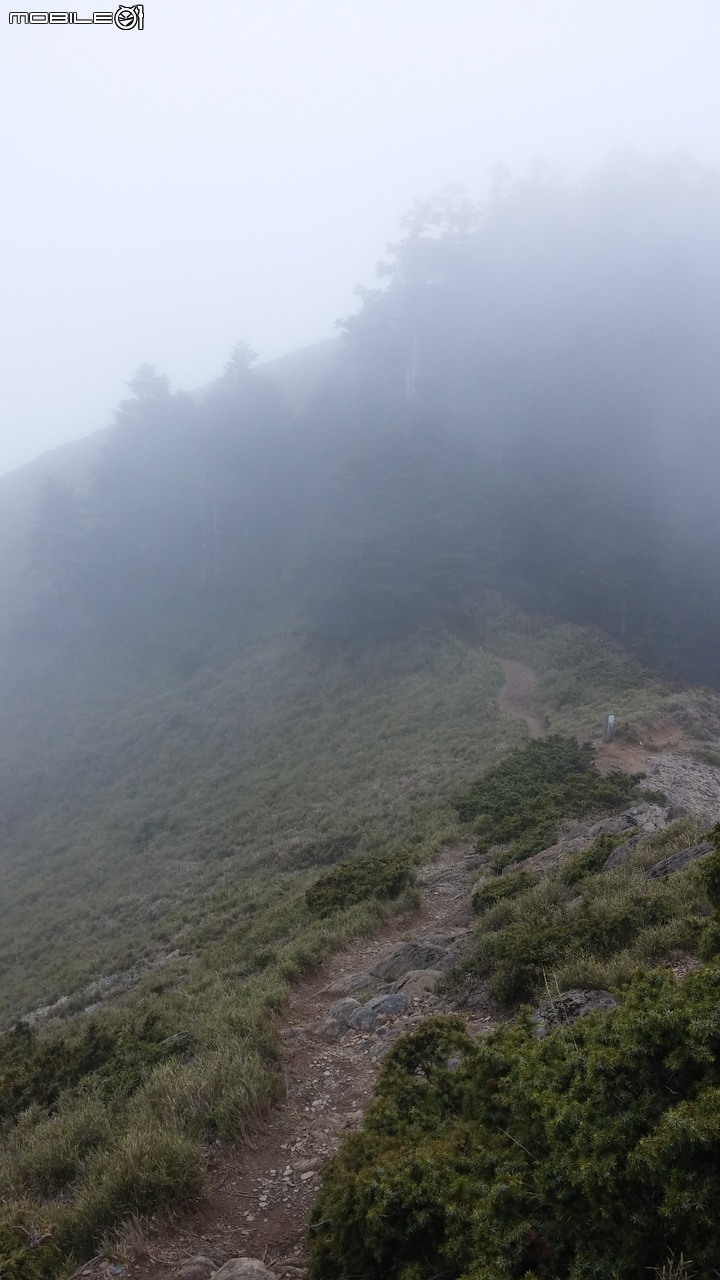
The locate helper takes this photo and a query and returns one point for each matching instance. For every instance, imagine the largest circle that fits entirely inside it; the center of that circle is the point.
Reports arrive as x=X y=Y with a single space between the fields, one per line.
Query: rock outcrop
x=679 y=861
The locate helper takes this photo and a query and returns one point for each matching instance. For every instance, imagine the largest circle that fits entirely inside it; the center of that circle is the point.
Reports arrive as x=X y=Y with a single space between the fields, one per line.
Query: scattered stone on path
x=679 y=861
x=245 y=1269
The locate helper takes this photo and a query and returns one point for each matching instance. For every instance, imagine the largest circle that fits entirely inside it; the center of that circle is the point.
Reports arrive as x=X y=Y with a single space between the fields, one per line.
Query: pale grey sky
x=234 y=169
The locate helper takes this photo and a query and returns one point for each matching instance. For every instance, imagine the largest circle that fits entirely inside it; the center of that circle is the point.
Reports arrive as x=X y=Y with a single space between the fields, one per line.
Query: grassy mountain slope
x=262 y=640
x=159 y=787
x=175 y=827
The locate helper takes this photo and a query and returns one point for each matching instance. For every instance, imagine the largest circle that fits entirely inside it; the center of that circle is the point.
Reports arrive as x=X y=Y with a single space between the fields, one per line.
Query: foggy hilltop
x=302 y=676
x=526 y=404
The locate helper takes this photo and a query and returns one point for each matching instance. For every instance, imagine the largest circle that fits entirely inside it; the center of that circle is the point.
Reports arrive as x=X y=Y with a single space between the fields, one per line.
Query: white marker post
x=608 y=727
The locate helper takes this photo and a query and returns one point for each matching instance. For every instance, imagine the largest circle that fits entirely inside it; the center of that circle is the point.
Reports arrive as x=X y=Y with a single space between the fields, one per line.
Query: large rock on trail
x=366 y=1017
x=350 y=983
x=338 y=1019
x=434 y=951
x=418 y=982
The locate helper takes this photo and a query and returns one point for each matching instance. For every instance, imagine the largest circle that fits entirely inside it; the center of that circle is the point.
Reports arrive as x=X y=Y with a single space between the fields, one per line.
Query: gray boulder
x=338 y=1019
x=367 y=1016
x=679 y=861
x=344 y=1010
x=621 y=852
x=245 y=1269
x=201 y=1267
x=418 y=981
x=411 y=955
x=648 y=817
x=349 y=984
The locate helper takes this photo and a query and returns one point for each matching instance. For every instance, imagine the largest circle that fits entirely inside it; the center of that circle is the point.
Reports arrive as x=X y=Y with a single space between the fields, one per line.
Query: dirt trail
x=518 y=697
x=671 y=764
x=666 y=754
x=258 y=1193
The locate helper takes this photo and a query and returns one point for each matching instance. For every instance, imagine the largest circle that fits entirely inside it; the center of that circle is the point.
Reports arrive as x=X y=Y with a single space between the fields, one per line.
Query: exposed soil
x=667 y=757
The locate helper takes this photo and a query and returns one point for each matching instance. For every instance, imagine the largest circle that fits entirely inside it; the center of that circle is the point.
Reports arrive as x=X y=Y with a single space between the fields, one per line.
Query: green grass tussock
x=590 y=928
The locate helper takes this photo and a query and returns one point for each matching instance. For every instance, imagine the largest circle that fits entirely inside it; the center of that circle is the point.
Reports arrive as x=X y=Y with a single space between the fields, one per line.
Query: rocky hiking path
x=336 y=1028
x=338 y=1023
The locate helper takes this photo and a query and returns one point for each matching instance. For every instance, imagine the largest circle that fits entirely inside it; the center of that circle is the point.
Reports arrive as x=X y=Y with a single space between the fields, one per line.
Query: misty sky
x=234 y=169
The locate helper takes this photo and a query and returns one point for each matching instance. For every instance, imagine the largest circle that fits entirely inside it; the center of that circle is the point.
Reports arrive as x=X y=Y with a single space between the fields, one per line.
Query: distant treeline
x=529 y=404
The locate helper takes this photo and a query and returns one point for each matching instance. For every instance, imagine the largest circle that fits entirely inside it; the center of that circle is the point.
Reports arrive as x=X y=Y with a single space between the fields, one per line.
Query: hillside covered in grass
x=251 y=680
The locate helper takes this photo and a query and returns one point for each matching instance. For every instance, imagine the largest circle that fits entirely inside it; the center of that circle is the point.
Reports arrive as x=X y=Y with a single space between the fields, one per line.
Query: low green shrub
x=585 y=1154
x=523 y=799
x=587 y=862
x=589 y=927
x=355 y=882
x=501 y=889
x=37 y=1066
x=29 y=1251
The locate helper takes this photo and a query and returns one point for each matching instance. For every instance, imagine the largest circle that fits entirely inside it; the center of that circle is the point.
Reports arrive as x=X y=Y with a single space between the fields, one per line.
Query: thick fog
x=233 y=170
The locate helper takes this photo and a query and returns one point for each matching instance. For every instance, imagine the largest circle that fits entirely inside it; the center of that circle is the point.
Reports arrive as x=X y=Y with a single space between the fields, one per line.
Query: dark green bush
x=594 y=1153
x=587 y=862
x=523 y=798
x=354 y=882
x=501 y=889
x=710 y=876
x=39 y=1066
x=28 y=1251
